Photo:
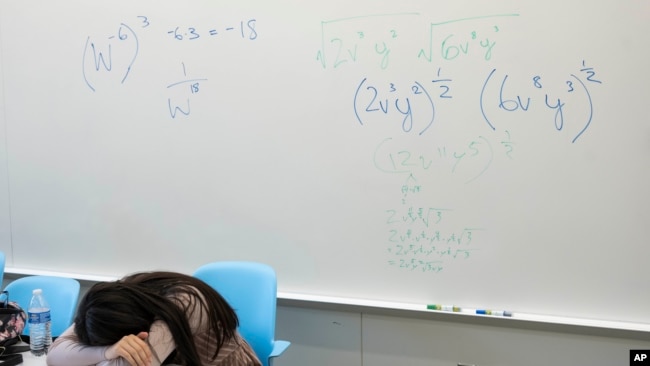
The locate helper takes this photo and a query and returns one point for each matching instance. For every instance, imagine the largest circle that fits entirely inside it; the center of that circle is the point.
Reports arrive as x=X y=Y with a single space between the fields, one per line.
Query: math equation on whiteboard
x=422 y=235
x=403 y=72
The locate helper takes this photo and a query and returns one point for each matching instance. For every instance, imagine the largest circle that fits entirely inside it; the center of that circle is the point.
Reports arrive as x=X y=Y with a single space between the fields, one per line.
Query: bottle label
x=41 y=317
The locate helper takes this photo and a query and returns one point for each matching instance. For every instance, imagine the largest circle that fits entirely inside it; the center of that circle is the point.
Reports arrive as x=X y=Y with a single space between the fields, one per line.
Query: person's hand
x=132 y=348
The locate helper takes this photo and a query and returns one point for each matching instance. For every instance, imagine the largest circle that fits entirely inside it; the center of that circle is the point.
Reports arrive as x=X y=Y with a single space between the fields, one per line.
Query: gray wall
x=330 y=337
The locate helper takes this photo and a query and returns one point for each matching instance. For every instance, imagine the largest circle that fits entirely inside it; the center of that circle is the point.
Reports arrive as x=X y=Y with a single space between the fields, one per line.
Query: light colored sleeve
x=67 y=351
x=161 y=342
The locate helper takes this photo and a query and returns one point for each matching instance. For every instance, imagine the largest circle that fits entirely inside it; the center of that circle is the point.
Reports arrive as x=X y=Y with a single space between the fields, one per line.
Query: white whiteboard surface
x=489 y=155
x=5 y=226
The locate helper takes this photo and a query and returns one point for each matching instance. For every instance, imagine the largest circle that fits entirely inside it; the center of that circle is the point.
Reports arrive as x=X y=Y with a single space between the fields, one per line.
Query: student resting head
x=150 y=317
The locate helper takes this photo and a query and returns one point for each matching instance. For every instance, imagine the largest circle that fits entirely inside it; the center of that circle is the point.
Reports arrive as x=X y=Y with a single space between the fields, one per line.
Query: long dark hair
x=110 y=310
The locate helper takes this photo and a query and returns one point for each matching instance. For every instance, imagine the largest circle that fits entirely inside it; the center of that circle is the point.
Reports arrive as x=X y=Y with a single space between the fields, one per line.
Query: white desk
x=31 y=360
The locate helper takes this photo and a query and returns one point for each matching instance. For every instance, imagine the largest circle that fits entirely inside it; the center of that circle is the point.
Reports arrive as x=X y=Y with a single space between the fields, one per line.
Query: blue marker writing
x=493 y=312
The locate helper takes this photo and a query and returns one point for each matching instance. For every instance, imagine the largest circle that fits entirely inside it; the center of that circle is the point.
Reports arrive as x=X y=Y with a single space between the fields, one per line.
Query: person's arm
x=67 y=351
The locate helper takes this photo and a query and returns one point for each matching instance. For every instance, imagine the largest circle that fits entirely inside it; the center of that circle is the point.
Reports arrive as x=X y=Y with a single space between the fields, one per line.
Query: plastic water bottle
x=40 y=333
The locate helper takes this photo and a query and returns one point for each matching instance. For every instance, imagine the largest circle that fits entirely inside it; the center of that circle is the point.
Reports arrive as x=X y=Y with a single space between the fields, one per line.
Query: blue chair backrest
x=251 y=289
x=2 y=267
x=61 y=293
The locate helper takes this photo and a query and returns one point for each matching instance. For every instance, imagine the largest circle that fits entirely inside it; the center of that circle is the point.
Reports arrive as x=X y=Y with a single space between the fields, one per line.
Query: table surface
x=31 y=360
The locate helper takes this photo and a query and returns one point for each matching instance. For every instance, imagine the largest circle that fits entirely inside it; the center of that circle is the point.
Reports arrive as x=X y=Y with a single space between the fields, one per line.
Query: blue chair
x=2 y=267
x=251 y=289
x=61 y=293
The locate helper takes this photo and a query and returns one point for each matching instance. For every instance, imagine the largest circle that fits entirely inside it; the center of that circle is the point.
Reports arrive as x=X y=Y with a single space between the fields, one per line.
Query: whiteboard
x=482 y=154
x=5 y=227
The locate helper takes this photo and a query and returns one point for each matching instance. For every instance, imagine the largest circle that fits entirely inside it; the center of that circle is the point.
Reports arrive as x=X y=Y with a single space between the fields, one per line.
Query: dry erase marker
x=493 y=312
x=453 y=308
